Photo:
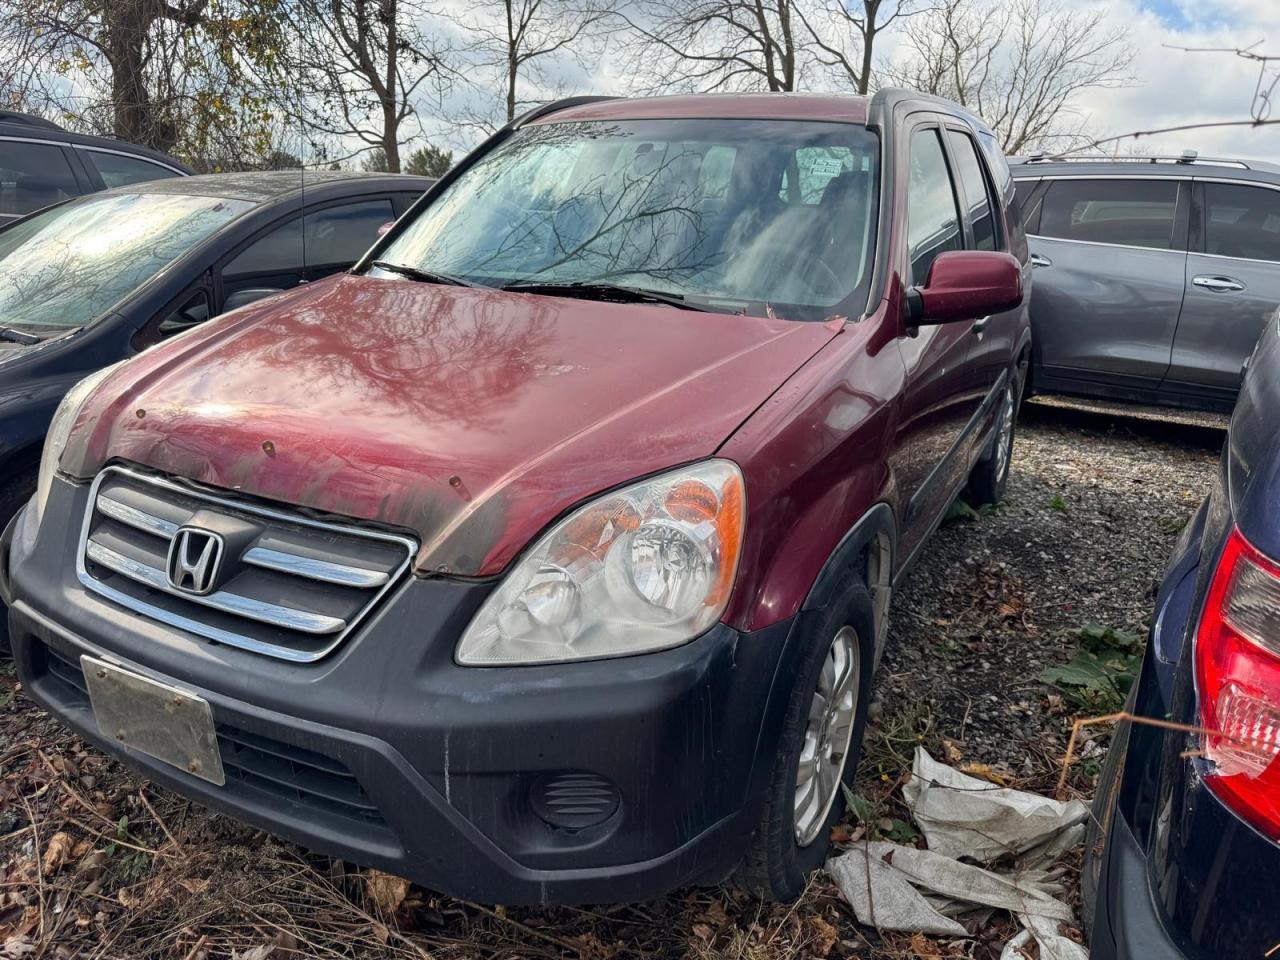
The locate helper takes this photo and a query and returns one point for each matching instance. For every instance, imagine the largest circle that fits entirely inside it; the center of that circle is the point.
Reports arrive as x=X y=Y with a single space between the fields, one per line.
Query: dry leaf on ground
x=56 y=853
x=386 y=890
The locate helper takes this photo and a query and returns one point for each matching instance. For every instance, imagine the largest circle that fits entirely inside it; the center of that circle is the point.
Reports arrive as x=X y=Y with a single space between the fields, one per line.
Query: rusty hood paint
x=472 y=417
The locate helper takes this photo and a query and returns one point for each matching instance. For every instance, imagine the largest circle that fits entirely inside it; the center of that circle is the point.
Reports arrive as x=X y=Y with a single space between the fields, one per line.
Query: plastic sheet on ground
x=895 y=887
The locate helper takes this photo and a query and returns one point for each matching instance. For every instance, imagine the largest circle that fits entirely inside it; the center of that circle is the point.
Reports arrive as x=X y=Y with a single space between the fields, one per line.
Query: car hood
x=472 y=417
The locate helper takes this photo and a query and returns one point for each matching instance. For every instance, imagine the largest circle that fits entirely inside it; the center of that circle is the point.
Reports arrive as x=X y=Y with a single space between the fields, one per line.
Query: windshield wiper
x=602 y=290
x=10 y=335
x=425 y=276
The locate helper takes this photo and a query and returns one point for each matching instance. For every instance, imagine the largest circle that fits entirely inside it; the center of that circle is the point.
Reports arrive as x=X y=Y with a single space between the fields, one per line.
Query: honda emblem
x=195 y=557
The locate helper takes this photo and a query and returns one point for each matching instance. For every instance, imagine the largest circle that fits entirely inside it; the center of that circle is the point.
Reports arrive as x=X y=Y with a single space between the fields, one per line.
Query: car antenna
x=302 y=185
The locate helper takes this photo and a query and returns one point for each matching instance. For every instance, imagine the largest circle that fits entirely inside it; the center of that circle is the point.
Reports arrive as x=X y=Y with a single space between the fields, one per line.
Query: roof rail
x=1187 y=156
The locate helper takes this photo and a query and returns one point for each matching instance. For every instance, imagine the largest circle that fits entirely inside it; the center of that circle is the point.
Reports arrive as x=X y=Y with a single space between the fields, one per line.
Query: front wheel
x=990 y=476
x=817 y=751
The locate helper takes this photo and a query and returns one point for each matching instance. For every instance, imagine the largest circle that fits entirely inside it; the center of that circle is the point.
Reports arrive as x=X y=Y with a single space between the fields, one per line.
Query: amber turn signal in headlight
x=643 y=568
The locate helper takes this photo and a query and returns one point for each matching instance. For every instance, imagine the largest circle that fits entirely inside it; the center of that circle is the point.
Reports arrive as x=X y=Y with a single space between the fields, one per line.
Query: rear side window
x=1135 y=213
x=933 y=219
x=1242 y=222
x=33 y=175
x=117 y=170
x=977 y=195
x=335 y=235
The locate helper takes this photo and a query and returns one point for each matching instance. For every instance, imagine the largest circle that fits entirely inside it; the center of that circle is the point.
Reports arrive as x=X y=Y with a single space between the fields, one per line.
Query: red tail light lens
x=1237 y=658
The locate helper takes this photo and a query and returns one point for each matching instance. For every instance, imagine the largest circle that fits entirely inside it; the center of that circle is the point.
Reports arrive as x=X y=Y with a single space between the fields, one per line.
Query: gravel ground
x=130 y=871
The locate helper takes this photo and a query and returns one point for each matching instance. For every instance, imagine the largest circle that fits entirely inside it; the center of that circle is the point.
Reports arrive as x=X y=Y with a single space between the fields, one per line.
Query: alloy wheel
x=1004 y=442
x=827 y=735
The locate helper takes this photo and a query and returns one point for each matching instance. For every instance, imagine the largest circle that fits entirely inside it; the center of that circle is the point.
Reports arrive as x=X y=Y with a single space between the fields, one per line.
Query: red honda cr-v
x=546 y=555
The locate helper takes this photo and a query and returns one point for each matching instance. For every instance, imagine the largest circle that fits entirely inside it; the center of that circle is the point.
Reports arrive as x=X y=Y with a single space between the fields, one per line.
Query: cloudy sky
x=1170 y=88
x=1175 y=87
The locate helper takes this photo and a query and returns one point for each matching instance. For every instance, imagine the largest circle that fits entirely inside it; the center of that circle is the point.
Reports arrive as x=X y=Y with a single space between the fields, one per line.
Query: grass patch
x=962 y=511
x=1098 y=677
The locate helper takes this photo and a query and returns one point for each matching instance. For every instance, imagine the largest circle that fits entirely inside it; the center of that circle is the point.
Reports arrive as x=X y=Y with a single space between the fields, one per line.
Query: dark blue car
x=1185 y=857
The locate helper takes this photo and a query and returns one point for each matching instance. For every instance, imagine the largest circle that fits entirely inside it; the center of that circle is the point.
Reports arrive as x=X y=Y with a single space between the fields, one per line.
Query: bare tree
x=710 y=45
x=357 y=69
x=1261 y=104
x=518 y=39
x=843 y=36
x=1018 y=65
x=169 y=74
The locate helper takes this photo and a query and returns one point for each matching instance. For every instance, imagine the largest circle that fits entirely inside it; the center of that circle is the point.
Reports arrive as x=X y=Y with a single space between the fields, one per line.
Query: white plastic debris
x=962 y=816
x=896 y=887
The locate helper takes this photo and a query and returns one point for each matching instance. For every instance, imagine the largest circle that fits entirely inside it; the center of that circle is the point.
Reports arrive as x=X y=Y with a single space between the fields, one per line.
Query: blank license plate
x=154 y=718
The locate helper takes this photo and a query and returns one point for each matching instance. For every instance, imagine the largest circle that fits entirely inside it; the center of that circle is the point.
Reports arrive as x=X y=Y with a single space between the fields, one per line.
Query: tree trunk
x=390 y=106
x=126 y=25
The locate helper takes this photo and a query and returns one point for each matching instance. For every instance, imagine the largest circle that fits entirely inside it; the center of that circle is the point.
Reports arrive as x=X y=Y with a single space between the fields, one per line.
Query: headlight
x=59 y=431
x=644 y=568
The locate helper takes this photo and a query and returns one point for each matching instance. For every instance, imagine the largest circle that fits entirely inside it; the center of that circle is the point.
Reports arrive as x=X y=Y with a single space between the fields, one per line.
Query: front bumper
x=387 y=753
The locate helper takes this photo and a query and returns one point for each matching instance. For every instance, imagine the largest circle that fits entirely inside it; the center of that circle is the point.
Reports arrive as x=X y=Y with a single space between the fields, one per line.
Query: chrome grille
x=292 y=588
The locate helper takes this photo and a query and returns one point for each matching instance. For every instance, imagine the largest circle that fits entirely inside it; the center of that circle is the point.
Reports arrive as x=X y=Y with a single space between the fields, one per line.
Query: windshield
x=740 y=215
x=64 y=267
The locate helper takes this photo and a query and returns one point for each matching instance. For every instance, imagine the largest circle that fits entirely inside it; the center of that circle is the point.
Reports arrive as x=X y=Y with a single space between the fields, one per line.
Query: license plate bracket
x=169 y=724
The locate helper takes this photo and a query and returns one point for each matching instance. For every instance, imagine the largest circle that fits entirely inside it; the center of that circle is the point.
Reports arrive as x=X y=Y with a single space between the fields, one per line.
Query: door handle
x=1040 y=260
x=980 y=325
x=1218 y=284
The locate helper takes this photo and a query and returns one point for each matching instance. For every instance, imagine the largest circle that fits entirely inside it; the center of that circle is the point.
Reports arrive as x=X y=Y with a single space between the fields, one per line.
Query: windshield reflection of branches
x=771 y=215
x=641 y=221
x=66 y=267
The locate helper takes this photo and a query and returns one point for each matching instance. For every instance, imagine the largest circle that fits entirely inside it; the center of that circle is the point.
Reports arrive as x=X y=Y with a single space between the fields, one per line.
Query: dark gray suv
x=1154 y=275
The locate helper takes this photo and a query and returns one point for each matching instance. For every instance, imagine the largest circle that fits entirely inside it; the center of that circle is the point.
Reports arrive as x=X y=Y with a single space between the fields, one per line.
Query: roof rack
x=1187 y=156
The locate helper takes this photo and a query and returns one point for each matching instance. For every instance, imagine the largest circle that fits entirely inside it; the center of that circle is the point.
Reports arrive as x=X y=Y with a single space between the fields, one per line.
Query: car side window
x=335 y=236
x=1029 y=204
x=1135 y=213
x=933 y=218
x=977 y=193
x=117 y=170
x=1242 y=222
x=33 y=175
x=279 y=250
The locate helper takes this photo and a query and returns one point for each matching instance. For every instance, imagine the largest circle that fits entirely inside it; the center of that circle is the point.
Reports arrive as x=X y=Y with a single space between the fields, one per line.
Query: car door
x=940 y=398
x=290 y=252
x=1109 y=257
x=1232 y=288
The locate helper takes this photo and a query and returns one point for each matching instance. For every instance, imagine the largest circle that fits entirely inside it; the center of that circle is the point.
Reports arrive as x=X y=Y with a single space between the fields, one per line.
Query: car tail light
x=1237 y=658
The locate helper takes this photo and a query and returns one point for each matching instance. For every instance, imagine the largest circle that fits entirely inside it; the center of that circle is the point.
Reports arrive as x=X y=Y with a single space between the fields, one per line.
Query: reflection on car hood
x=470 y=416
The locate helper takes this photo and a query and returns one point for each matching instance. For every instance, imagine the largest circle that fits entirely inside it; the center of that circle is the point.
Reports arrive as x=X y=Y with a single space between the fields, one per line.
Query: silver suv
x=1154 y=275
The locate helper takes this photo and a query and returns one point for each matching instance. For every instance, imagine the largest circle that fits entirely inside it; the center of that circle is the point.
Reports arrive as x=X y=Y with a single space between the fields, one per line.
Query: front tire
x=817 y=750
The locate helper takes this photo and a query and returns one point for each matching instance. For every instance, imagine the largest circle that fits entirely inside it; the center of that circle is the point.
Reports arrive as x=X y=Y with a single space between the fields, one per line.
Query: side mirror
x=966 y=285
x=382 y=230
x=244 y=297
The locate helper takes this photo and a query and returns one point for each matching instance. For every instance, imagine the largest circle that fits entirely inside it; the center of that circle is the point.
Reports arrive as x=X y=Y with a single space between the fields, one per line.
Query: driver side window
x=933 y=217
